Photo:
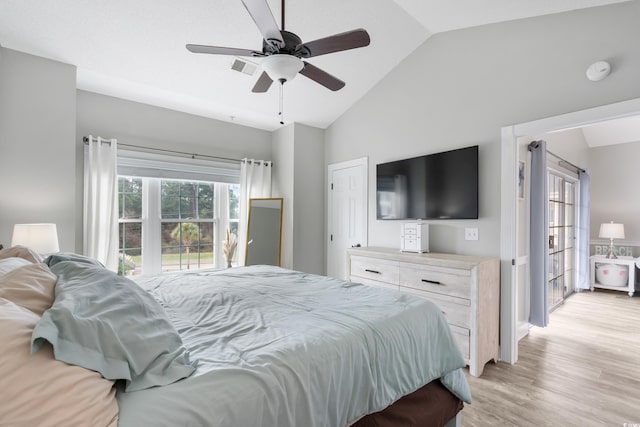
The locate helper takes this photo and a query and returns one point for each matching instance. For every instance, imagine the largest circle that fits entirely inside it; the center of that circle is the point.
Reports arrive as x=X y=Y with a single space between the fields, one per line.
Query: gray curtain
x=539 y=243
x=583 y=231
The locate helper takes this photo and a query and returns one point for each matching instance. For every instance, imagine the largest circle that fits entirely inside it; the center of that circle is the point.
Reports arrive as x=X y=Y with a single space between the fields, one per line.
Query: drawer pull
x=371 y=271
x=433 y=282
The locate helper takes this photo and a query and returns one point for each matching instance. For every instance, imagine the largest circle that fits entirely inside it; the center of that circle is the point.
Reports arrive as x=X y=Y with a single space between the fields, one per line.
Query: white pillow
x=9 y=264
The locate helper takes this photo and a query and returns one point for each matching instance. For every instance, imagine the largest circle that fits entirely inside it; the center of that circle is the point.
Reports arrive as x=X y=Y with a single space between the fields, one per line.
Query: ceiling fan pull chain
x=280 y=113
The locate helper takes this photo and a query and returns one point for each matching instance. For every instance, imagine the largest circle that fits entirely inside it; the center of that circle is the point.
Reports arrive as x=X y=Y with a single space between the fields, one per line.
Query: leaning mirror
x=264 y=232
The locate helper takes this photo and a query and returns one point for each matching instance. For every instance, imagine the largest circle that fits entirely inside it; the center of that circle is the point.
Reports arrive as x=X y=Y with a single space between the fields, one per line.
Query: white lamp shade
x=282 y=67
x=612 y=231
x=41 y=238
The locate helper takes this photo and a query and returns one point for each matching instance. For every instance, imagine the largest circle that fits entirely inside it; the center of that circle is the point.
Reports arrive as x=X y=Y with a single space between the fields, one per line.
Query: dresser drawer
x=461 y=338
x=457 y=311
x=379 y=270
x=374 y=283
x=448 y=281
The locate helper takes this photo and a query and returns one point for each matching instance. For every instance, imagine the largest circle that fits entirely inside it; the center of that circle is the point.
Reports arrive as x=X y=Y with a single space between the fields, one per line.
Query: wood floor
x=582 y=370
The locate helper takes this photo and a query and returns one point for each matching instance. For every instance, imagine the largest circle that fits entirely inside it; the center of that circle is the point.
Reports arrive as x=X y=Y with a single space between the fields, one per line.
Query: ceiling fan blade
x=266 y=23
x=321 y=77
x=217 y=50
x=263 y=84
x=336 y=43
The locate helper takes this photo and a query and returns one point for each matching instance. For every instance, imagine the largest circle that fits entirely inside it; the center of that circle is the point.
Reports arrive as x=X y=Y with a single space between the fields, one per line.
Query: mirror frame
x=246 y=250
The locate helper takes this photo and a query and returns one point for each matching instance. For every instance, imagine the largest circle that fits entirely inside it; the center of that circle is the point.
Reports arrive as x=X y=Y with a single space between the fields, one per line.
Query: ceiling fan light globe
x=282 y=67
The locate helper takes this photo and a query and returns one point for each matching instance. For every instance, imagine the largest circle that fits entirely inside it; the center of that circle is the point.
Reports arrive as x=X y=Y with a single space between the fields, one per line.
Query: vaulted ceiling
x=136 y=49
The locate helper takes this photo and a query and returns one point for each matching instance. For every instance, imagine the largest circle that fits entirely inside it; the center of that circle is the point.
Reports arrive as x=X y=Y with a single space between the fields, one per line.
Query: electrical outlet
x=470 y=234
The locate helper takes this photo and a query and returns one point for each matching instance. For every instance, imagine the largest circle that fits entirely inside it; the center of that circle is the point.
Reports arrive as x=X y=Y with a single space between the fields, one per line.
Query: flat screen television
x=435 y=186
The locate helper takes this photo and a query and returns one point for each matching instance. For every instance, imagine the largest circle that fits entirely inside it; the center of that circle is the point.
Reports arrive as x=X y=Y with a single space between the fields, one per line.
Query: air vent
x=245 y=67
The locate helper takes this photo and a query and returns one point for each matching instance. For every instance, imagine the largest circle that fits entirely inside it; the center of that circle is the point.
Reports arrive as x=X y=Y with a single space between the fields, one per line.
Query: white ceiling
x=136 y=49
x=617 y=131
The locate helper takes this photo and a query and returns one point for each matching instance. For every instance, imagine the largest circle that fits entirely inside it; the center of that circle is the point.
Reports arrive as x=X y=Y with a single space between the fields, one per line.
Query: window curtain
x=538 y=242
x=583 y=230
x=255 y=182
x=100 y=212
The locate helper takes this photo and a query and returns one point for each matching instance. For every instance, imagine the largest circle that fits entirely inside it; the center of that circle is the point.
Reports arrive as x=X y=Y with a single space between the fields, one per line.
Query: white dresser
x=465 y=288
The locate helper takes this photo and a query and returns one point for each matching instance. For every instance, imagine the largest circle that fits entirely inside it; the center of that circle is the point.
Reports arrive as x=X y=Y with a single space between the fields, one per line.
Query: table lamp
x=611 y=231
x=41 y=238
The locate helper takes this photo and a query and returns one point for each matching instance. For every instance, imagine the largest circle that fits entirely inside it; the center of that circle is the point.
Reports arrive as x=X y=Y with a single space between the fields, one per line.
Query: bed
x=248 y=346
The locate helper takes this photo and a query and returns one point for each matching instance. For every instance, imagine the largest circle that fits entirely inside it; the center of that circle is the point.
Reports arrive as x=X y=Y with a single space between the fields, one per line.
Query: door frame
x=508 y=198
x=364 y=163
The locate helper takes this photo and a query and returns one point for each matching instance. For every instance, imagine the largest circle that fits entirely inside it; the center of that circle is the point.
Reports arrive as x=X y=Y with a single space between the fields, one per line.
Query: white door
x=347 y=212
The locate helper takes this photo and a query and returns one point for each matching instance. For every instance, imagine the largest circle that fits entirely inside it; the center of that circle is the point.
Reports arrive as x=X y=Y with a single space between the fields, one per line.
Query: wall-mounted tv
x=435 y=186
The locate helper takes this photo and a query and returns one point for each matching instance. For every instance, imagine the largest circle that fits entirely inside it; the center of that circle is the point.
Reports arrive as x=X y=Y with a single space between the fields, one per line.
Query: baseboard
x=523 y=330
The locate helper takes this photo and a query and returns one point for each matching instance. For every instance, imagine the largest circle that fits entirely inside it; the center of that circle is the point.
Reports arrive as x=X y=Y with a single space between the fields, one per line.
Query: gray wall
x=282 y=186
x=145 y=125
x=461 y=87
x=615 y=183
x=37 y=155
x=309 y=210
x=142 y=124
x=298 y=153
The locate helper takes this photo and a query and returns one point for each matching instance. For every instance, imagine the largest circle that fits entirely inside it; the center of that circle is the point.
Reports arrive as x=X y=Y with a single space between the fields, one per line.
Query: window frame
x=151 y=222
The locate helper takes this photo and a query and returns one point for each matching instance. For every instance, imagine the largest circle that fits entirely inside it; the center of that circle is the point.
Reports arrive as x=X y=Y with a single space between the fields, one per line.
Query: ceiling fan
x=283 y=50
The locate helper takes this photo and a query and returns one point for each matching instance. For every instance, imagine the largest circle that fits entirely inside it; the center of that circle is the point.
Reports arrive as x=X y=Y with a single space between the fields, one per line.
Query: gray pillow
x=107 y=323
x=52 y=260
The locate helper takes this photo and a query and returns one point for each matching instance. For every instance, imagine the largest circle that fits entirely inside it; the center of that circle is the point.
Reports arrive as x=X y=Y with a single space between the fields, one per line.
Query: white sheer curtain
x=255 y=182
x=100 y=212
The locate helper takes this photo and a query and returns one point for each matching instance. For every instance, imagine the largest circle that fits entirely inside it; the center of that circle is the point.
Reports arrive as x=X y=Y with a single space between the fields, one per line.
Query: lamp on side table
x=611 y=231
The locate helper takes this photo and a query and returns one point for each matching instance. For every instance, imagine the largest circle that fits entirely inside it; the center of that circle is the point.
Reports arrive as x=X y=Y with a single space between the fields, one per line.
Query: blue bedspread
x=282 y=348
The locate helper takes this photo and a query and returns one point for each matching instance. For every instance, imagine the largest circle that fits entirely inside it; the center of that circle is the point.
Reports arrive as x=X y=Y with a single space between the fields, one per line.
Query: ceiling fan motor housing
x=291 y=44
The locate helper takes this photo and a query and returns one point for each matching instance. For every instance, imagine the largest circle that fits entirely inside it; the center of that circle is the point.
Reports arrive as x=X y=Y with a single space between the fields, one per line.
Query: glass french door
x=562 y=232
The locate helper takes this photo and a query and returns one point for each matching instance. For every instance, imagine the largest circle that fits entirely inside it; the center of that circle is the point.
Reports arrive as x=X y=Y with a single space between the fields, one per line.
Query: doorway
x=510 y=296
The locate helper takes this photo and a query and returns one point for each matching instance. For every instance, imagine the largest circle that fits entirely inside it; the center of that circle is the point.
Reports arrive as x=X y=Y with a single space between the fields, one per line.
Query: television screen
x=436 y=186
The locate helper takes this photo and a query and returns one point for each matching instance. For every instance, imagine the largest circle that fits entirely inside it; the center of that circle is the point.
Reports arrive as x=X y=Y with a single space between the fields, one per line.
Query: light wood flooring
x=581 y=370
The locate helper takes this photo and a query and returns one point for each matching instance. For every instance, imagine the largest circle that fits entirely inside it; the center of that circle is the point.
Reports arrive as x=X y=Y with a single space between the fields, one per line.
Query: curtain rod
x=564 y=163
x=85 y=140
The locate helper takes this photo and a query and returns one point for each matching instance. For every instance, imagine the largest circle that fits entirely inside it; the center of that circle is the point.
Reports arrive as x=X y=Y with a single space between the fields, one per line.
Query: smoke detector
x=598 y=71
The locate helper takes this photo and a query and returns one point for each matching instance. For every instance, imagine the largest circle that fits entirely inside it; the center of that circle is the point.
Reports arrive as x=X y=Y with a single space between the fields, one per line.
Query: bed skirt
x=430 y=406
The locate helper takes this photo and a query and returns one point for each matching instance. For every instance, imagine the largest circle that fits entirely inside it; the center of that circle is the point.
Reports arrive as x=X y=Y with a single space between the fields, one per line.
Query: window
x=234 y=207
x=187 y=224
x=169 y=225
